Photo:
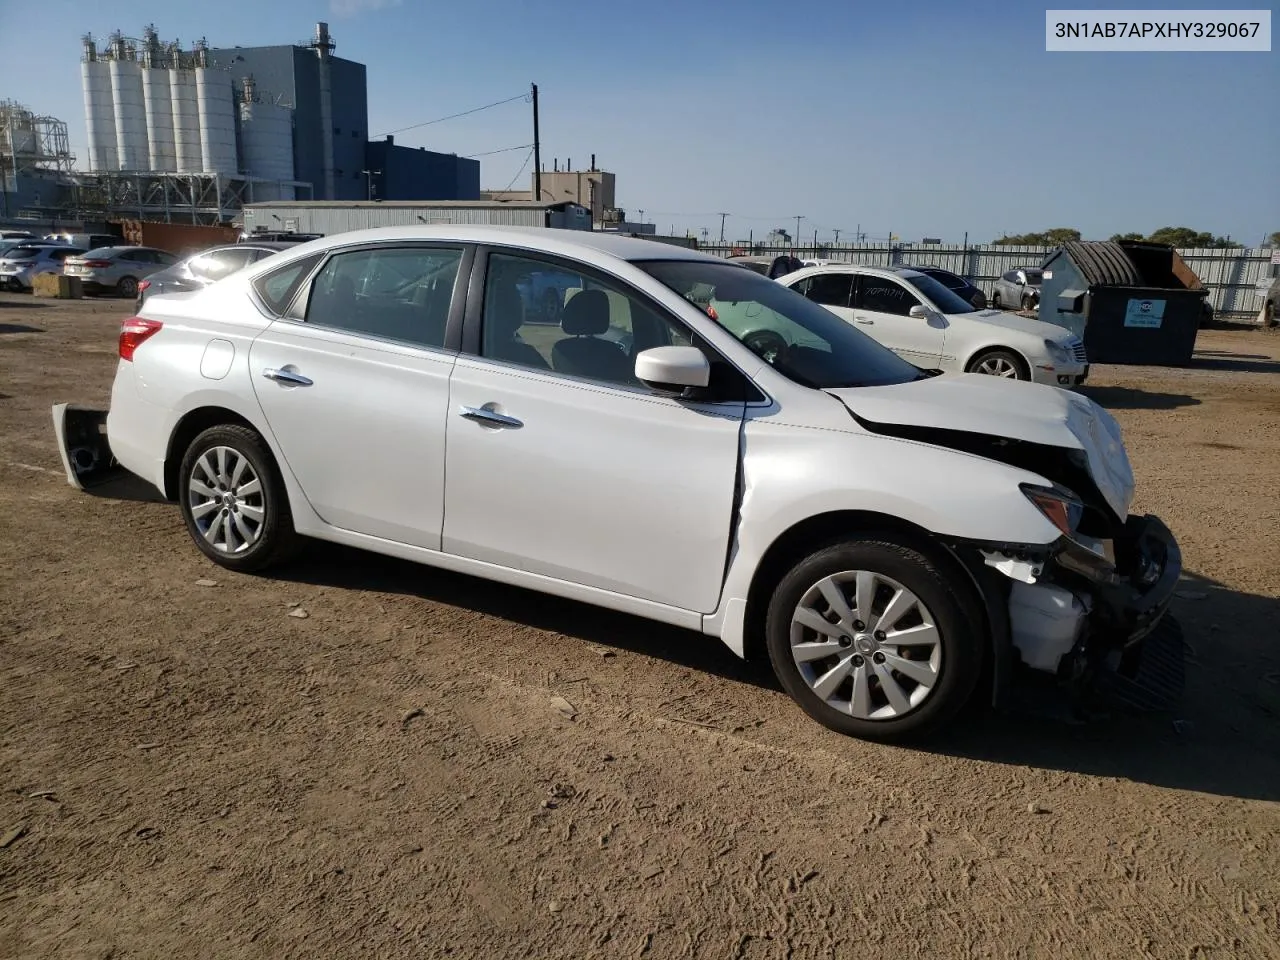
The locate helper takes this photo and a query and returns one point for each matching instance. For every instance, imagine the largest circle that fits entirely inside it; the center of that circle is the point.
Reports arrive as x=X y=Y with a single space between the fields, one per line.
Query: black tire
x=955 y=614
x=1028 y=304
x=1269 y=315
x=276 y=541
x=995 y=300
x=127 y=287
x=1008 y=356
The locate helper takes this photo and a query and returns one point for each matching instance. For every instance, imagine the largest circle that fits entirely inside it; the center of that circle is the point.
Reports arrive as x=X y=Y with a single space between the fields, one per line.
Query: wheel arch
x=978 y=352
x=814 y=532
x=191 y=425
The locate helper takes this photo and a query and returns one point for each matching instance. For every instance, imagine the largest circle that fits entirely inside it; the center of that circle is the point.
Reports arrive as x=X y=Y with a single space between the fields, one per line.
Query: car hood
x=1012 y=321
x=977 y=407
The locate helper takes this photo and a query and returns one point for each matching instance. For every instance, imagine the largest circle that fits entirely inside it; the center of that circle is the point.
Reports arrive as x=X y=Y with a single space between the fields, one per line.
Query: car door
x=354 y=383
x=881 y=309
x=561 y=463
x=833 y=289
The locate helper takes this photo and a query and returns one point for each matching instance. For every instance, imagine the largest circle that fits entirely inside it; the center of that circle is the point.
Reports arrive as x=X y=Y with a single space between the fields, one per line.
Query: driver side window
x=882 y=295
x=400 y=294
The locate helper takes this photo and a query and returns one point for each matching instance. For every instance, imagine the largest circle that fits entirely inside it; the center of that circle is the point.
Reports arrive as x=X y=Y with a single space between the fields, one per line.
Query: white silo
x=188 y=156
x=130 y=114
x=216 y=102
x=157 y=104
x=266 y=139
x=99 y=113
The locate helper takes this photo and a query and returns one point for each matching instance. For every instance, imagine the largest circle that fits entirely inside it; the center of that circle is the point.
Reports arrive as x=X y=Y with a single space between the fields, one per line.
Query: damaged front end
x=1083 y=612
x=1083 y=615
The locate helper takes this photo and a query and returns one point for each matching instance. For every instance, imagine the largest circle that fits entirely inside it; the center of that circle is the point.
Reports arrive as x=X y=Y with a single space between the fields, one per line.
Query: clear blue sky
x=925 y=119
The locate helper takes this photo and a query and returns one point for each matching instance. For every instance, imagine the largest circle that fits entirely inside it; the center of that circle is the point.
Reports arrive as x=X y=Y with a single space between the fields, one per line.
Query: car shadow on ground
x=1222 y=739
x=326 y=564
x=7 y=304
x=18 y=328
x=1126 y=398
x=1234 y=362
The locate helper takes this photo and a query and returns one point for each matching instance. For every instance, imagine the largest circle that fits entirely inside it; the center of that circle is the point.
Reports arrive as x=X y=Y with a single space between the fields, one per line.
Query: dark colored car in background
x=957 y=284
x=201 y=269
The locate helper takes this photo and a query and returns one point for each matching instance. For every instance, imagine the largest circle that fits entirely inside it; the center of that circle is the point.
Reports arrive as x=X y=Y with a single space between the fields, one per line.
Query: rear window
x=22 y=253
x=278 y=287
x=102 y=253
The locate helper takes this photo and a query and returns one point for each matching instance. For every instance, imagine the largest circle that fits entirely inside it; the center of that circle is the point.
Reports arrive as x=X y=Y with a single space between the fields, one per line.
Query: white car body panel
x=950 y=341
x=611 y=496
x=368 y=461
x=578 y=491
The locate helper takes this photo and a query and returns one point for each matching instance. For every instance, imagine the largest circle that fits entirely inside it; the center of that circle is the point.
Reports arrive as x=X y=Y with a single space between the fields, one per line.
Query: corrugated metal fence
x=1231 y=274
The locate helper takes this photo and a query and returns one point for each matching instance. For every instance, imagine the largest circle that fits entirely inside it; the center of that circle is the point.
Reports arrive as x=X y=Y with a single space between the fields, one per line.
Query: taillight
x=96 y=264
x=143 y=284
x=134 y=332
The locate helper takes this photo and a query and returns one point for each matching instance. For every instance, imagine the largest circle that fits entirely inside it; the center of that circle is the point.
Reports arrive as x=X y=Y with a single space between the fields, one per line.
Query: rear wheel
x=127 y=287
x=1000 y=363
x=995 y=300
x=233 y=500
x=872 y=639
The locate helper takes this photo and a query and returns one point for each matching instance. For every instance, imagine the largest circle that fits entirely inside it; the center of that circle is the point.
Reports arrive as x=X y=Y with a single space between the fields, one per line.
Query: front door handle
x=481 y=415
x=287 y=376
x=863 y=320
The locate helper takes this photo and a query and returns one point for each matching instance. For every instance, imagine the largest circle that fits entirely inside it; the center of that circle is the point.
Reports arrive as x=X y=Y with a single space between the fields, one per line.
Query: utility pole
x=837 y=233
x=369 y=174
x=798 y=219
x=722 y=216
x=642 y=216
x=537 y=149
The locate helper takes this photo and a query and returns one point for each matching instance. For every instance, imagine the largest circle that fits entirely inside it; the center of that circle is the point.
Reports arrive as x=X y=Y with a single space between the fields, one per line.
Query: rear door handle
x=287 y=376
x=481 y=415
x=862 y=320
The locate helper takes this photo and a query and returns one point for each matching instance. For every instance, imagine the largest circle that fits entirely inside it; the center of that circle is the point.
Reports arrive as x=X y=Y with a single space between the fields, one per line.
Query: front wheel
x=872 y=639
x=1028 y=304
x=1000 y=363
x=233 y=500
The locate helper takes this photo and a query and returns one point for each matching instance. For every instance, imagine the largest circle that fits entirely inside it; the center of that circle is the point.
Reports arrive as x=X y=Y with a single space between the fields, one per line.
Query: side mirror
x=919 y=312
x=672 y=371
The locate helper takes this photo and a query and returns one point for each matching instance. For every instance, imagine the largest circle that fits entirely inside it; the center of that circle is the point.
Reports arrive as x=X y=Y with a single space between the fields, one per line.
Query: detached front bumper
x=1081 y=612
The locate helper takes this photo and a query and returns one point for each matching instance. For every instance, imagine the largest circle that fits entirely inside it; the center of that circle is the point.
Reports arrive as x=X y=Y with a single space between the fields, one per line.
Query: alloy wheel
x=997 y=367
x=866 y=645
x=226 y=499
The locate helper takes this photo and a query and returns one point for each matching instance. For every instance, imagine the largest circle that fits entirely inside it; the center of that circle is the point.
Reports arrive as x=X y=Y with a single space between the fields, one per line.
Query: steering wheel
x=765 y=344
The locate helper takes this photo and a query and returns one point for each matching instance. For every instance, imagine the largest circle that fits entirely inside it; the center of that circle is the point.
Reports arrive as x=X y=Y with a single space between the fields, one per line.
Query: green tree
x=1053 y=237
x=1127 y=236
x=1274 y=239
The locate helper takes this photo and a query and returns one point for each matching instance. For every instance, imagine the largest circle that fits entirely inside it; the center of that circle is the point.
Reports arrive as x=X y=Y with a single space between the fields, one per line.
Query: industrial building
x=593 y=188
x=330 y=217
x=194 y=134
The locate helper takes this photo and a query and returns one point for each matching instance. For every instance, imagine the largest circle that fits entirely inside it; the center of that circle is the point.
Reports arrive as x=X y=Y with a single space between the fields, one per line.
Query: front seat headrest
x=586 y=314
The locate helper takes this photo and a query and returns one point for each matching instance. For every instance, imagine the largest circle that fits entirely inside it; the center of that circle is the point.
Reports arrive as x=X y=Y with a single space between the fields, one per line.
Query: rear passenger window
x=390 y=293
x=278 y=287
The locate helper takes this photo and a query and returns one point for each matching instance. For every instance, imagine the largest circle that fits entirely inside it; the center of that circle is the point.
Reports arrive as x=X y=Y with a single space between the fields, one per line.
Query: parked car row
x=110 y=269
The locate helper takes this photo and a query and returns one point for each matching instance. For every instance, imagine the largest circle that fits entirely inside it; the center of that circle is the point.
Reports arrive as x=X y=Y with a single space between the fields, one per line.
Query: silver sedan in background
x=117 y=269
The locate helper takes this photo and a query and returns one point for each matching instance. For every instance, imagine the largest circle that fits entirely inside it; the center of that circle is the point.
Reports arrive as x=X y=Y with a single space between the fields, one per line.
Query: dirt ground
x=199 y=774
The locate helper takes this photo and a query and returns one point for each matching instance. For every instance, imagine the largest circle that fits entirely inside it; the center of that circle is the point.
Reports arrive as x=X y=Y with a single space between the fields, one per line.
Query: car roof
x=574 y=243
x=905 y=272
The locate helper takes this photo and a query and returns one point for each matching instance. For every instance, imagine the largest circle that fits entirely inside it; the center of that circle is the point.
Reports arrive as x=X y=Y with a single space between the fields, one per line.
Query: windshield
x=802 y=340
x=945 y=299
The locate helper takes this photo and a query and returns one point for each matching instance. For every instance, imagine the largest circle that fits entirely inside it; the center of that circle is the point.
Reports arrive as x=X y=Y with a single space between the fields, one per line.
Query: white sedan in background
x=866 y=525
x=932 y=327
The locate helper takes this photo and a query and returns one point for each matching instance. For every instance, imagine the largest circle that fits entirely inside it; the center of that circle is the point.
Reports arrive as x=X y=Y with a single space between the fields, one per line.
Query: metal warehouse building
x=330 y=217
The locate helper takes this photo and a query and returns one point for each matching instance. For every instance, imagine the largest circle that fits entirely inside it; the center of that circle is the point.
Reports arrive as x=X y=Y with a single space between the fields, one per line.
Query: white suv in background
x=932 y=327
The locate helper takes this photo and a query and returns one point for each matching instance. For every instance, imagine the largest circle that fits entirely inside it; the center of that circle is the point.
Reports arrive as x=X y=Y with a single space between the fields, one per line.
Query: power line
x=489 y=153
x=454 y=116
x=528 y=156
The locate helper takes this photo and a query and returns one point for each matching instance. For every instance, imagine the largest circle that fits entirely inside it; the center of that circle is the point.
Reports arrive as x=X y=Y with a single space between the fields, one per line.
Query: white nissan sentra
x=890 y=537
